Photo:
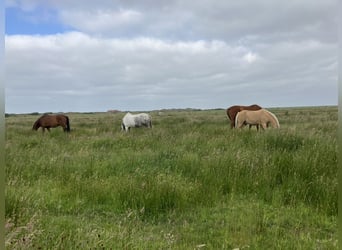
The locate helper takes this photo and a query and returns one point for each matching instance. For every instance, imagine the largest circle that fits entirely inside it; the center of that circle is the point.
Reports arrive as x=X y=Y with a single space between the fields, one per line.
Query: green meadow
x=190 y=182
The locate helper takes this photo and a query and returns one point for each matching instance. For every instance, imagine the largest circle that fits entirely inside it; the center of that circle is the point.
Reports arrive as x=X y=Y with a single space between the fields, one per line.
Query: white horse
x=138 y=120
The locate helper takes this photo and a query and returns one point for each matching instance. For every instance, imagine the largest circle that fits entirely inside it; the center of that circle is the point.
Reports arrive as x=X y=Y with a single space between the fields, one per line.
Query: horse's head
x=36 y=125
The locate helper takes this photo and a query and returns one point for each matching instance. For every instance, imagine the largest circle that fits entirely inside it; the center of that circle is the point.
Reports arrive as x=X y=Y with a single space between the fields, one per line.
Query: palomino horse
x=233 y=110
x=138 y=120
x=261 y=117
x=52 y=121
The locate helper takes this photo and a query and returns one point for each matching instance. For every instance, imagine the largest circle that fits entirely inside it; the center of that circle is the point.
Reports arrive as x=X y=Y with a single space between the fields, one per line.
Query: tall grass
x=190 y=182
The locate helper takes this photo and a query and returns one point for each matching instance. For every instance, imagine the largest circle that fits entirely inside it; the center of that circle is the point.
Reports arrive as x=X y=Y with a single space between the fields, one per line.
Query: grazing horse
x=52 y=121
x=261 y=117
x=138 y=120
x=233 y=110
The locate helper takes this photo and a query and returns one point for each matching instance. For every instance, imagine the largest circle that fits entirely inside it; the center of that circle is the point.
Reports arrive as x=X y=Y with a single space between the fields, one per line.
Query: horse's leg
x=48 y=129
x=264 y=126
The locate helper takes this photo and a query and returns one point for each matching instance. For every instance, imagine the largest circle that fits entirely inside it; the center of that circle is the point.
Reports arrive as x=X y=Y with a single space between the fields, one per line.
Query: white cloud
x=155 y=73
x=250 y=57
x=100 y=20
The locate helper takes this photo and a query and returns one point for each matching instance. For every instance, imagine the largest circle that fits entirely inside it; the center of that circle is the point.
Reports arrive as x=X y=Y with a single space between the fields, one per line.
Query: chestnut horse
x=52 y=121
x=261 y=117
x=233 y=110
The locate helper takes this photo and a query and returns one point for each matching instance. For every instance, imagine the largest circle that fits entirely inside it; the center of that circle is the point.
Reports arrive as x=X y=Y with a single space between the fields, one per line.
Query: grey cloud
x=230 y=21
x=208 y=19
x=166 y=54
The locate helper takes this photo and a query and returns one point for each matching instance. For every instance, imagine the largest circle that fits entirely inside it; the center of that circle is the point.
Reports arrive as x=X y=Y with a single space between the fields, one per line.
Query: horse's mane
x=274 y=117
x=255 y=106
x=36 y=124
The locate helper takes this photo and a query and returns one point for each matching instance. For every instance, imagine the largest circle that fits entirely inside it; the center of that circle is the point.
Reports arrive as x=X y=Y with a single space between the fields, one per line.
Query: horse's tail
x=67 y=124
x=231 y=114
x=237 y=120
x=230 y=118
x=227 y=113
x=150 y=121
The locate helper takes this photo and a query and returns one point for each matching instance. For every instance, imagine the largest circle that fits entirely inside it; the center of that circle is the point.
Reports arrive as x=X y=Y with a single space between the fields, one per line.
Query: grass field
x=189 y=183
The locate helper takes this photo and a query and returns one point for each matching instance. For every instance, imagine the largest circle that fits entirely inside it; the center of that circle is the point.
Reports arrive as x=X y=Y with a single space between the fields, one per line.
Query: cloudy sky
x=63 y=55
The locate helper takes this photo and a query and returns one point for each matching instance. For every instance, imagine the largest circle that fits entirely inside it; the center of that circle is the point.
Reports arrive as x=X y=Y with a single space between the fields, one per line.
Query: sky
x=132 y=55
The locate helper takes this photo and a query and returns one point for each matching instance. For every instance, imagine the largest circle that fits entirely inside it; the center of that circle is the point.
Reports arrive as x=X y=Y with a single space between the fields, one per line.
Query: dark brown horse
x=233 y=110
x=52 y=121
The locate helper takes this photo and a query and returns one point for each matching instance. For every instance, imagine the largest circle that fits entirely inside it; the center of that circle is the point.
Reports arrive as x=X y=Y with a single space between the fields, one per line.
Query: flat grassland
x=189 y=183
